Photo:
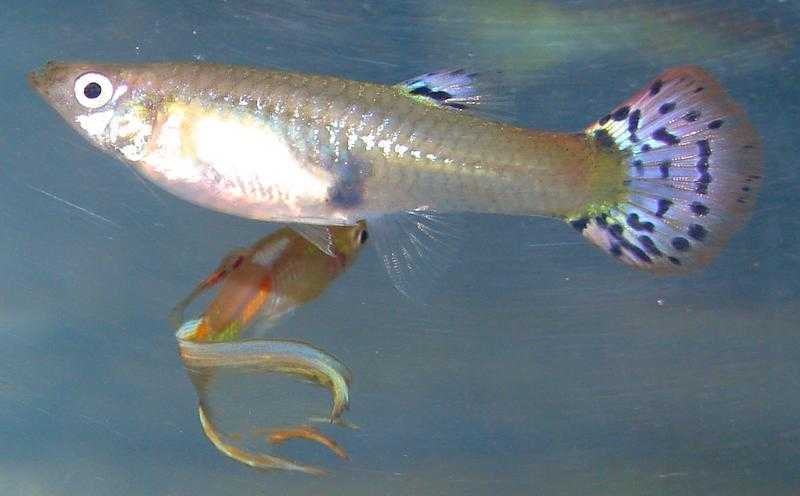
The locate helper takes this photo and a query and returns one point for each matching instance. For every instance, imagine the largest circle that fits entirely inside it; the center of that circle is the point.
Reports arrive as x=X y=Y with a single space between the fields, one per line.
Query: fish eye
x=93 y=90
x=363 y=237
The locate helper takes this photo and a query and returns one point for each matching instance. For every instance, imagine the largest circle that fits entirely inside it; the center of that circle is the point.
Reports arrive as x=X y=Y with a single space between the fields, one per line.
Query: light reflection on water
x=541 y=367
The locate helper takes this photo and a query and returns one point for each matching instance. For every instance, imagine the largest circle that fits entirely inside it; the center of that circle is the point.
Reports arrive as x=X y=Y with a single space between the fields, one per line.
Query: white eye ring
x=93 y=90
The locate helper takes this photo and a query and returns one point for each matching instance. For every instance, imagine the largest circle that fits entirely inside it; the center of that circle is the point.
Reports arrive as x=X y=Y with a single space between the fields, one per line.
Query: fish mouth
x=34 y=80
x=46 y=77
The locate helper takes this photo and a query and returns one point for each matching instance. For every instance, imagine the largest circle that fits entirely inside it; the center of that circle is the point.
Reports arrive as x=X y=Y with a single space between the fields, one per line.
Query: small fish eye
x=93 y=90
x=363 y=237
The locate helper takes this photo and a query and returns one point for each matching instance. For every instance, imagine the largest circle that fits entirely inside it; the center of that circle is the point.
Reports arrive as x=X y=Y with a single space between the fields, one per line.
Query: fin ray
x=693 y=164
x=416 y=248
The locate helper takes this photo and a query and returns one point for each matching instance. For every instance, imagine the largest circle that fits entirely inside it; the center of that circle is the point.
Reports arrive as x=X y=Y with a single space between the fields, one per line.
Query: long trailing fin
x=257 y=460
x=693 y=165
x=416 y=248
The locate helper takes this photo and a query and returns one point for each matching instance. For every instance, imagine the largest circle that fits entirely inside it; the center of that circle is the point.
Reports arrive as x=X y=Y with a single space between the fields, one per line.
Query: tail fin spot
x=681 y=244
x=697 y=232
x=666 y=108
x=621 y=113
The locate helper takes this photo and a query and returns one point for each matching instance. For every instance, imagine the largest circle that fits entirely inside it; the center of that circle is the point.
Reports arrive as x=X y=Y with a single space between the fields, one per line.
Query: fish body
x=263 y=282
x=276 y=145
x=284 y=146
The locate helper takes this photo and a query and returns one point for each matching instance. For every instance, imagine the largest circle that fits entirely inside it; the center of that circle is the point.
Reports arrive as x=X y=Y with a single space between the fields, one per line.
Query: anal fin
x=416 y=248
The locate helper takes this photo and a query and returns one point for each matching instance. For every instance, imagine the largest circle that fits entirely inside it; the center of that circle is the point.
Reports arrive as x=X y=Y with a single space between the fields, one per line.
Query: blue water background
x=541 y=366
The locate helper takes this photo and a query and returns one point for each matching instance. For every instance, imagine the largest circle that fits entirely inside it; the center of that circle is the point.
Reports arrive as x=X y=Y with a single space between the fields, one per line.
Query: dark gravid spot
x=646 y=148
x=703 y=148
x=746 y=188
x=666 y=108
x=699 y=89
x=663 y=167
x=604 y=119
x=634 y=222
x=656 y=87
x=621 y=113
x=680 y=244
x=633 y=120
x=661 y=134
x=345 y=195
x=603 y=138
x=363 y=237
x=663 y=206
x=699 y=209
x=650 y=246
x=348 y=190
x=716 y=124
x=674 y=260
x=692 y=115
x=698 y=232
x=580 y=224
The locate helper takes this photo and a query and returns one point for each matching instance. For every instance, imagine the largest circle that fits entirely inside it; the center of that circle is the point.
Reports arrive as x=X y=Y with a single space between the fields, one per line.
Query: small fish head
x=97 y=100
x=348 y=240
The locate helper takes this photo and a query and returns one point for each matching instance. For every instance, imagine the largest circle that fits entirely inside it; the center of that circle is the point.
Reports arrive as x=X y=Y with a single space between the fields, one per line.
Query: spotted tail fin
x=693 y=165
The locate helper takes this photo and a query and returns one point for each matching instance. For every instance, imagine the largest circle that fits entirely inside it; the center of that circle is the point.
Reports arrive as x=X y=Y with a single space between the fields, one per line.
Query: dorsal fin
x=454 y=88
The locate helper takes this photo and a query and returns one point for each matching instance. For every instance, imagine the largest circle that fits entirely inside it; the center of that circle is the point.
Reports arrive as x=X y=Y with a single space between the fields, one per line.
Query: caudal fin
x=693 y=167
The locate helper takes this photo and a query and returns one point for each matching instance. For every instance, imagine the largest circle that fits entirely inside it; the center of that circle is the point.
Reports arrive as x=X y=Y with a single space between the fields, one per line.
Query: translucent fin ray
x=416 y=248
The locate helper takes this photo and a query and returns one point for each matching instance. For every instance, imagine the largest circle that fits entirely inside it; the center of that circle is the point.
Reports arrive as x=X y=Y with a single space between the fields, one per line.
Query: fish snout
x=35 y=80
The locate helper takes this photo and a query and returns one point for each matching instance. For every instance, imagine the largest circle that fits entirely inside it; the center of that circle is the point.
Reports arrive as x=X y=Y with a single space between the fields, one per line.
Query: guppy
x=261 y=283
x=660 y=182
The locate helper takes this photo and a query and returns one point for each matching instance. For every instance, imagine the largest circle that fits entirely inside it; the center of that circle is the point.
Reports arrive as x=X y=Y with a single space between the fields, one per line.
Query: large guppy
x=660 y=182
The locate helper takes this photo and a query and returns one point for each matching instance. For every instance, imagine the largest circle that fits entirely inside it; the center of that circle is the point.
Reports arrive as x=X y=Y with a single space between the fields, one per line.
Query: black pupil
x=92 y=90
x=364 y=236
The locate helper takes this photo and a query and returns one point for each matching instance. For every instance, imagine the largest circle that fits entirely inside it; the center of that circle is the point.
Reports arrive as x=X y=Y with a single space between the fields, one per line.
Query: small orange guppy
x=275 y=275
